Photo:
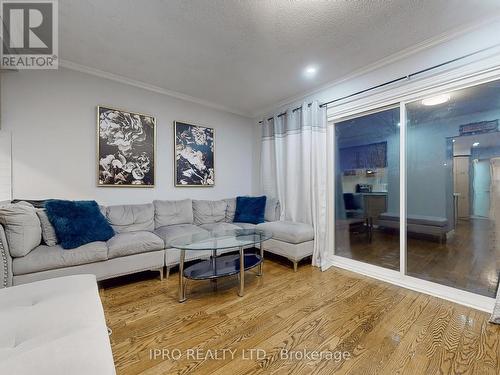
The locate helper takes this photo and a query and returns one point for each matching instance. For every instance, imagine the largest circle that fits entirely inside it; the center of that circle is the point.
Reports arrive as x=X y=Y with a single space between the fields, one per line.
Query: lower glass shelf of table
x=221 y=266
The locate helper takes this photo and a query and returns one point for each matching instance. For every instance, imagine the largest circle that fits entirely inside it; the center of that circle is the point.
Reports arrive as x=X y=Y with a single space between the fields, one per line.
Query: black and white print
x=194 y=155
x=126 y=148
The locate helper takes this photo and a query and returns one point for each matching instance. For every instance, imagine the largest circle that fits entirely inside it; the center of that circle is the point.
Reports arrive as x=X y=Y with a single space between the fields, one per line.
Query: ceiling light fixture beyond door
x=435 y=100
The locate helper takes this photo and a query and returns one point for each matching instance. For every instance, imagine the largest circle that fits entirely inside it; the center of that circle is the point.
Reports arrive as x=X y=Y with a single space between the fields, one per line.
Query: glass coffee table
x=220 y=265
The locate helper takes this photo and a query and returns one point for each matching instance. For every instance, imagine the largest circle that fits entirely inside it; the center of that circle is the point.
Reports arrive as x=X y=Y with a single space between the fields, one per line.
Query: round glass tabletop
x=220 y=239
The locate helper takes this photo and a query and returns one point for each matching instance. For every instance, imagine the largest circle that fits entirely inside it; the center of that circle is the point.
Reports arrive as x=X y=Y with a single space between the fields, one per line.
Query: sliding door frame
x=460 y=78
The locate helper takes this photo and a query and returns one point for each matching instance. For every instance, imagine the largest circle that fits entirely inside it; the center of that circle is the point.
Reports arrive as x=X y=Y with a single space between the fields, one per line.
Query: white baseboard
x=395 y=277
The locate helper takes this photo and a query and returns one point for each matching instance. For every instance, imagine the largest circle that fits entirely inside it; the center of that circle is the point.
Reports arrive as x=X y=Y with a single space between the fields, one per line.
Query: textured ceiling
x=247 y=55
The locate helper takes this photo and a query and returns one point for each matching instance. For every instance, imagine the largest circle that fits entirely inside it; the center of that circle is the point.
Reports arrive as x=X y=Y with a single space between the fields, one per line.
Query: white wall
x=5 y=166
x=52 y=117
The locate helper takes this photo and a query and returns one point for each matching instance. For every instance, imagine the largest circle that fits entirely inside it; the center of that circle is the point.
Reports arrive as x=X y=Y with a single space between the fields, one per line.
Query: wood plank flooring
x=469 y=260
x=383 y=328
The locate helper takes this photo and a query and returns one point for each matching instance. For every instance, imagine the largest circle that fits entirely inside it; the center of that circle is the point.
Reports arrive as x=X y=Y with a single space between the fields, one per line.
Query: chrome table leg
x=261 y=268
x=182 y=289
x=214 y=267
x=242 y=272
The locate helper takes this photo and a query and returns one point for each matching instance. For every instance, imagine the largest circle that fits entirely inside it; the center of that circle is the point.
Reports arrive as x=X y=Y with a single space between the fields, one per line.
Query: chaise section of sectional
x=292 y=240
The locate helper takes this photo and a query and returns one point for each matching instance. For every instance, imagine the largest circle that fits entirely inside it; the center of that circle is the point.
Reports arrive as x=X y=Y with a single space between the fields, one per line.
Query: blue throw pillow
x=77 y=223
x=250 y=210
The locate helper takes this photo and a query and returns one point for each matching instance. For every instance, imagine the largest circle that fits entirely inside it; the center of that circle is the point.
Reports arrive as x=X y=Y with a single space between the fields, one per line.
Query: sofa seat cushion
x=245 y=225
x=129 y=243
x=44 y=258
x=54 y=327
x=434 y=221
x=219 y=227
x=288 y=231
x=171 y=232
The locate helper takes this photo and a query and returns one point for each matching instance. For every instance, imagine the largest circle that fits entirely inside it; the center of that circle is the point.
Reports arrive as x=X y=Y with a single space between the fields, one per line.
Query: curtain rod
x=284 y=113
x=407 y=77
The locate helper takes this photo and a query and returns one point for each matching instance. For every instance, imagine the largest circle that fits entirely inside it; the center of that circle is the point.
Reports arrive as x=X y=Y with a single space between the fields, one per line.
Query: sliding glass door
x=367 y=187
x=453 y=218
x=451 y=189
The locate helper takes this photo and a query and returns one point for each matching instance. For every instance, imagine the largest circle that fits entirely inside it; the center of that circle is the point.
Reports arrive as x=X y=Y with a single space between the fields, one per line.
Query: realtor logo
x=29 y=34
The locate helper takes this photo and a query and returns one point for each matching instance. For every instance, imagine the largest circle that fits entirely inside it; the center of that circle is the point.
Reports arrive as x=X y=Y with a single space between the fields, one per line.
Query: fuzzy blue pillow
x=77 y=223
x=250 y=210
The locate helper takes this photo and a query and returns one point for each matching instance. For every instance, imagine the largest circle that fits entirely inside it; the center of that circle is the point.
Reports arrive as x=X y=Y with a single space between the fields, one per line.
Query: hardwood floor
x=384 y=328
x=469 y=260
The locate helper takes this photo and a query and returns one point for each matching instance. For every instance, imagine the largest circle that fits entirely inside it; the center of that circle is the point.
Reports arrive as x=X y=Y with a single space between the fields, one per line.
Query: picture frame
x=126 y=148
x=194 y=155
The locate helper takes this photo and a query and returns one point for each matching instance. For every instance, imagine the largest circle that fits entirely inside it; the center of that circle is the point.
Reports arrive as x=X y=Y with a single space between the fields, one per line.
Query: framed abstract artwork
x=126 y=148
x=194 y=155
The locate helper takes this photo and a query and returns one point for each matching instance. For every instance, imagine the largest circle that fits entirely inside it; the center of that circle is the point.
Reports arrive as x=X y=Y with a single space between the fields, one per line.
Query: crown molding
x=407 y=52
x=146 y=86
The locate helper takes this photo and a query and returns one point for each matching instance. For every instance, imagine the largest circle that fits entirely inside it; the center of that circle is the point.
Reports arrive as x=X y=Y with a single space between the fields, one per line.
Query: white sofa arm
x=6 y=261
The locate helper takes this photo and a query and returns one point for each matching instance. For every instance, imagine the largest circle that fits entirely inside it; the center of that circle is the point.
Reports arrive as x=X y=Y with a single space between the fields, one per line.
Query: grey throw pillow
x=48 y=232
x=22 y=228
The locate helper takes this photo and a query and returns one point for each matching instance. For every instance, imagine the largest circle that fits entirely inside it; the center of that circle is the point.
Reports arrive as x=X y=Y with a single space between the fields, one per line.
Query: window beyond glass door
x=367 y=188
x=453 y=188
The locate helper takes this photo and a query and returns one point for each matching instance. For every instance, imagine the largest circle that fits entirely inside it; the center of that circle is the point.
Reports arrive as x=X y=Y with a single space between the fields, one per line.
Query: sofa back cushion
x=273 y=210
x=206 y=212
x=173 y=212
x=48 y=232
x=230 y=209
x=131 y=218
x=22 y=228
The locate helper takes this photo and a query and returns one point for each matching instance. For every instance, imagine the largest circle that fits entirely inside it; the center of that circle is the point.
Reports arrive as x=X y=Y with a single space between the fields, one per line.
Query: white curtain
x=294 y=169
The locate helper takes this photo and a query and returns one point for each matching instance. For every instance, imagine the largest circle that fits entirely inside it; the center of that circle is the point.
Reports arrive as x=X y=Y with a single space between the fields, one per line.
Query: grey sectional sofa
x=142 y=240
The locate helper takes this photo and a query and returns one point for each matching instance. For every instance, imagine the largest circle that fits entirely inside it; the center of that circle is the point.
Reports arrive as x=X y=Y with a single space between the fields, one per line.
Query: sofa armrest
x=5 y=261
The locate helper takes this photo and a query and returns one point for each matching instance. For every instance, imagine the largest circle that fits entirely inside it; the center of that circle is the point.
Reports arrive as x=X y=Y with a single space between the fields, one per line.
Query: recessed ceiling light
x=310 y=71
x=475 y=144
x=435 y=100
x=453 y=140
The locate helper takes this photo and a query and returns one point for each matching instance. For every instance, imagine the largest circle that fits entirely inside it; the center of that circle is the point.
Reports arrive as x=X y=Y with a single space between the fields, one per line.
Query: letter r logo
x=27 y=27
